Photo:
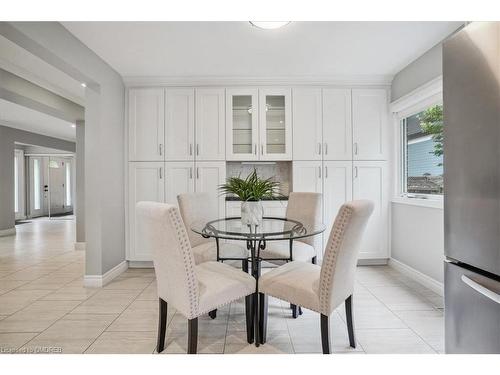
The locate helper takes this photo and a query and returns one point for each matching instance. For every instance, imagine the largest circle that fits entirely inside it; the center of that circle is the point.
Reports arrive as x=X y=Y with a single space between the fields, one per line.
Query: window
x=68 y=184
x=422 y=153
x=16 y=184
x=36 y=184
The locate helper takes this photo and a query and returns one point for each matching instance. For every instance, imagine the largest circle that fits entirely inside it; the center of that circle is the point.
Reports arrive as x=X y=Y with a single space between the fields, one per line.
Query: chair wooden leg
x=249 y=317
x=162 y=325
x=300 y=310
x=325 y=333
x=350 y=321
x=263 y=317
x=294 y=310
x=314 y=260
x=213 y=314
x=192 y=335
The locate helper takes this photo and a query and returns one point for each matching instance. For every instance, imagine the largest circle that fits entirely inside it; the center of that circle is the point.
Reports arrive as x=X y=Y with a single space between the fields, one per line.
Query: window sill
x=429 y=203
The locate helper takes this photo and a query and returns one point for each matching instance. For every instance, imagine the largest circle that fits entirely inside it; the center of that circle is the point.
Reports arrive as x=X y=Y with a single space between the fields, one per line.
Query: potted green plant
x=251 y=190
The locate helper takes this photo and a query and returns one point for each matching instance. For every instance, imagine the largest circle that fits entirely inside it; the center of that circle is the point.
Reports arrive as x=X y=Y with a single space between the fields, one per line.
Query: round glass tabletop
x=271 y=228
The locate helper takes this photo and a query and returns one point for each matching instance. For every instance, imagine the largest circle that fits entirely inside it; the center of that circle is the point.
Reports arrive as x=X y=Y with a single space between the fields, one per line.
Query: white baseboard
x=140 y=264
x=8 y=232
x=81 y=246
x=372 y=262
x=417 y=276
x=98 y=281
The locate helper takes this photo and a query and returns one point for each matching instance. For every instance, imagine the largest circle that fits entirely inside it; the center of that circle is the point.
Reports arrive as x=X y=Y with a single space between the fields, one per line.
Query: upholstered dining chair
x=304 y=207
x=323 y=288
x=193 y=290
x=202 y=206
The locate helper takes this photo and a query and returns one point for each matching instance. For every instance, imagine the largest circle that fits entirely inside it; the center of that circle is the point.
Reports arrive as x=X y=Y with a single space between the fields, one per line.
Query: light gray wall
x=418 y=238
x=8 y=136
x=422 y=70
x=104 y=135
x=80 y=181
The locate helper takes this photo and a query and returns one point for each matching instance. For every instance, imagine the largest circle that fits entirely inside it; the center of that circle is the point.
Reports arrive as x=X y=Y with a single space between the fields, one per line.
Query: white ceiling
x=237 y=49
x=24 y=64
x=19 y=117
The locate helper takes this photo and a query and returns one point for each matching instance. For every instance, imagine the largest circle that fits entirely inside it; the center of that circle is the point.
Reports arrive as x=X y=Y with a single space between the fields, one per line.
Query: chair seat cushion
x=220 y=284
x=207 y=251
x=295 y=282
x=281 y=249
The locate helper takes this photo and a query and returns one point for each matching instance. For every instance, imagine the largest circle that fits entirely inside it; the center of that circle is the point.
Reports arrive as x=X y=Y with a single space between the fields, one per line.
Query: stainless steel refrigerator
x=471 y=101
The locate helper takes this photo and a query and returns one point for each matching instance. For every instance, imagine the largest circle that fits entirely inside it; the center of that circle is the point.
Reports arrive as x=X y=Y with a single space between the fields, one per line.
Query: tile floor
x=45 y=308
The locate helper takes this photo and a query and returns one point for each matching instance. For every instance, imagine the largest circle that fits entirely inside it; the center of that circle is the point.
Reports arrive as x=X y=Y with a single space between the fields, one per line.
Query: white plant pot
x=252 y=212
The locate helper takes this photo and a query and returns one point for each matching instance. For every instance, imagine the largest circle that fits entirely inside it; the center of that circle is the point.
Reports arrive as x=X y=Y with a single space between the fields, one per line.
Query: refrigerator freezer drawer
x=472 y=312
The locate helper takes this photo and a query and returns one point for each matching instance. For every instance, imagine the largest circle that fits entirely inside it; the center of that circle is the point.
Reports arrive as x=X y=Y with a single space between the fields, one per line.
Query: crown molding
x=341 y=80
x=431 y=89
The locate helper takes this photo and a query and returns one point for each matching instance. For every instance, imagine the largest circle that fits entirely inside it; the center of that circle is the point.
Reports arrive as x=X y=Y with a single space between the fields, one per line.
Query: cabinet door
x=370 y=182
x=209 y=176
x=275 y=124
x=146 y=115
x=307 y=124
x=146 y=183
x=210 y=134
x=179 y=179
x=369 y=124
x=233 y=208
x=179 y=124
x=242 y=119
x=337 y=189
x=307 y=176
x=337 y=124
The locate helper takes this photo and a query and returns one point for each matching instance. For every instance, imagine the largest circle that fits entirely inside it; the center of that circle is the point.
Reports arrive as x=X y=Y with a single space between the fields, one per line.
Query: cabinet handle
x=160 y=170
x=325 y=147
x=319 y=148
x=262 y=149
x=356 y=172
x=191 y=173
x=326 y=171
x=319 y=171
x=255 y=149
x=161 y=148
x=190 y=149
x=197 y=172
x=197 y=149
x=355 y=148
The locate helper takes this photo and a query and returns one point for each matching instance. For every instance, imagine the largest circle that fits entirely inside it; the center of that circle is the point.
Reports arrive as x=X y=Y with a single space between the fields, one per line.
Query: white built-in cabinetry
x=340 y=150
x=179 y=140
x=176 y=145
x=258 y=124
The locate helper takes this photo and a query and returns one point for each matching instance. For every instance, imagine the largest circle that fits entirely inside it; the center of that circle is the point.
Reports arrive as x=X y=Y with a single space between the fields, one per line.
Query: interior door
x=36 y=178
x=210 y=134
x=146 y=124
x=337 y=124
x=337 y=187
x=370 y=182
x=369 y=124
x=209 y=176
x=179 y=179
x=179 y=124
x=146 y=183
x=275 y=124
x=242 y=120
x=307 y=124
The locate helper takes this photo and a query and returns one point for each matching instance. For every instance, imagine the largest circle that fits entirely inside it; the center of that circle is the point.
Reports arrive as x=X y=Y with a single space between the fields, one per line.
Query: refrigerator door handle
x=494 y=296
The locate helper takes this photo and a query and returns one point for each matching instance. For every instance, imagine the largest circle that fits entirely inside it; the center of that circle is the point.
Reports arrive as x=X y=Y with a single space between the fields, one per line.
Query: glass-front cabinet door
x=275 y=125
x=242 y=130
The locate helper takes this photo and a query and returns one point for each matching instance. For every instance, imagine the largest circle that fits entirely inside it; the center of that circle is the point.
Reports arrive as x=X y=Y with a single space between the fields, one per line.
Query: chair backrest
x=193 y=207
x=306 y=208
x=160 y=229
x=341 y=254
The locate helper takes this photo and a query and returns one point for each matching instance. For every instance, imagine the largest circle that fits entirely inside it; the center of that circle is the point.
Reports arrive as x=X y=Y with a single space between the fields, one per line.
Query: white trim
x=373 y=262
x=80 y=246
x=98 y=281
x=7 y=232
x=349 y=80
x=417 y=276
x=140 y=264
x=421 y=202
x=429 y=89
x=419 y=140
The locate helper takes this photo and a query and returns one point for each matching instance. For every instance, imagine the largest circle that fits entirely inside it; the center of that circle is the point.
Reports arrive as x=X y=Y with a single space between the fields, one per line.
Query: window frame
x=402 y=109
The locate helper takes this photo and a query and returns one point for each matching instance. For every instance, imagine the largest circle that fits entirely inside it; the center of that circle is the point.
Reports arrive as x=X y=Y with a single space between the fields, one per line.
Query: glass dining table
x=256 y=238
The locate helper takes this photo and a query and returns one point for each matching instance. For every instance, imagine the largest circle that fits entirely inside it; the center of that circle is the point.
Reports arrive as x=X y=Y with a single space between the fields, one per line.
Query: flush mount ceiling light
x=269 y=25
